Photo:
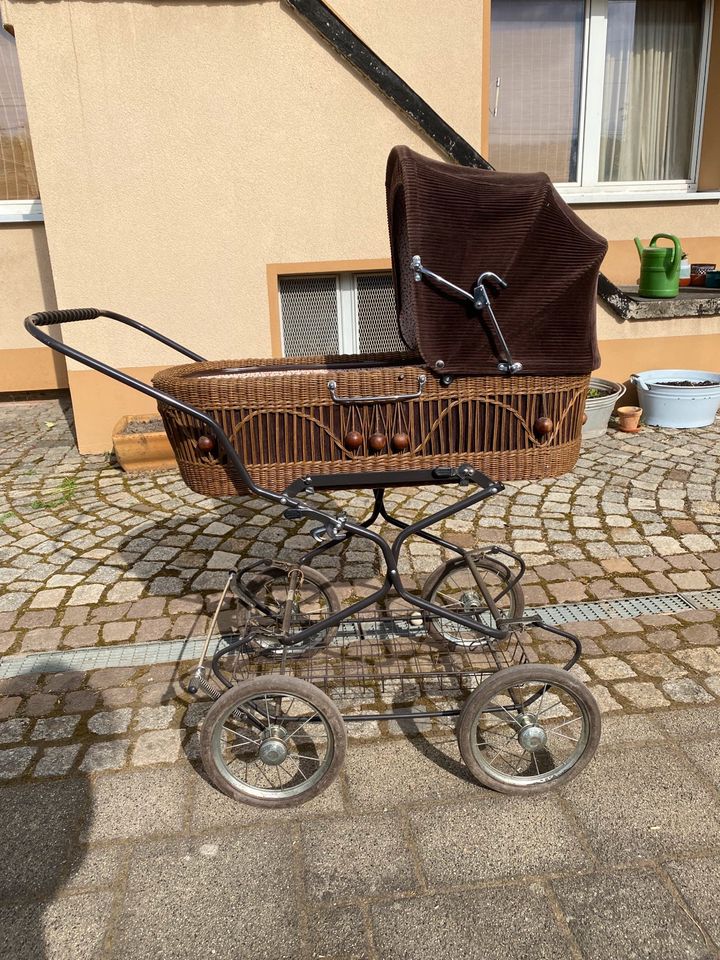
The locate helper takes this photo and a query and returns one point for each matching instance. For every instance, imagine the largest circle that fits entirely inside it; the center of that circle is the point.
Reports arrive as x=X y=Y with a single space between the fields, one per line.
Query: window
x=599 y=94
x=338 y=313
x=17 y=168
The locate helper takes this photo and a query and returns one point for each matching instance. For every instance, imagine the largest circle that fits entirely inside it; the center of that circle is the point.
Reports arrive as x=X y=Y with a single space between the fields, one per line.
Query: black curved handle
x=48 y=317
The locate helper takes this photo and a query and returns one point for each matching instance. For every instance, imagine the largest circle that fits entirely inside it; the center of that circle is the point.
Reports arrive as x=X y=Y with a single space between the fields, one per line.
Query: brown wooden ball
x=584 y=419
x=353 y=440
x=543 y=426
x=377 y=442
x=400 y=442
x=205 y=444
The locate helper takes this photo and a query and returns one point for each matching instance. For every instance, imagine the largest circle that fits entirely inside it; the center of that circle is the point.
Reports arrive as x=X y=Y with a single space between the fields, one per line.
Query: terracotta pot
x=139 y=447
x=629 y=419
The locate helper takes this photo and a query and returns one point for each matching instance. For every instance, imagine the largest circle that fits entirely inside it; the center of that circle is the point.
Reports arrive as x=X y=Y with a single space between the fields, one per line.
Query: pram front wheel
x=528 y=728
x=452 y=585
x=274 y=741
x=288 y=596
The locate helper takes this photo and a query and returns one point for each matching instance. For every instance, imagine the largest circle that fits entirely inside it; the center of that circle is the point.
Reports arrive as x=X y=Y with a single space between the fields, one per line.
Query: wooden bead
x=205 y=444
x=377 y=442
x=543 y=426
x=584 y=420
x=353 y=440
x=400 y=441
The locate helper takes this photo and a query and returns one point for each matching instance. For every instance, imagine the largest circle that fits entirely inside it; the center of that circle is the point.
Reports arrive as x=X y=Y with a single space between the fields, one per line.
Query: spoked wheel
x=311 y=597
x=273 y=742
x=452 y=585
x=528 y=729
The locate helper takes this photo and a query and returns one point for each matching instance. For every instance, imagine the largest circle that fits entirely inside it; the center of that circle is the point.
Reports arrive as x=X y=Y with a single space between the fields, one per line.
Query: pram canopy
x=463 y=222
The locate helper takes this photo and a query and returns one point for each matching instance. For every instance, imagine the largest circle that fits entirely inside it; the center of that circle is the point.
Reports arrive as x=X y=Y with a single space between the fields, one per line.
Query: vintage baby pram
x=483 y=388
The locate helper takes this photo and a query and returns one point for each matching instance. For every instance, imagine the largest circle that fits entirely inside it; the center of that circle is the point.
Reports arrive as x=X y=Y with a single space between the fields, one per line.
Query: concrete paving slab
x=629 y=728
x=395 y=773
x=72 y=927
x=39 y=829
x=496 y=837
x=338 y=933
x=690 y=723
x=142 y=804
x=698 y=882
x=509 y=923
x=641 y=802
x=629 y=915
x=357 y=857
x=213 y=899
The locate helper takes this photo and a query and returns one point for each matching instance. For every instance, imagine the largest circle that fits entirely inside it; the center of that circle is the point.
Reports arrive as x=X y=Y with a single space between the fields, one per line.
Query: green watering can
x=659 y=267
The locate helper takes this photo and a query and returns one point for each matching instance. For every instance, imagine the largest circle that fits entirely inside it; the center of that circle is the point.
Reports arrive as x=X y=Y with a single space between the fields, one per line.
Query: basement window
x=338 y=313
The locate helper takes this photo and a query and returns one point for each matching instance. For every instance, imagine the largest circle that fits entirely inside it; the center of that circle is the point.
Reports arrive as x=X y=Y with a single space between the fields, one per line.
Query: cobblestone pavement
x=115 y=846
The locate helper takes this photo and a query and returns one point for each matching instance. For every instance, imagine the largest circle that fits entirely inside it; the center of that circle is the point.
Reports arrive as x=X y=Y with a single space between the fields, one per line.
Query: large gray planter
x=598 y=409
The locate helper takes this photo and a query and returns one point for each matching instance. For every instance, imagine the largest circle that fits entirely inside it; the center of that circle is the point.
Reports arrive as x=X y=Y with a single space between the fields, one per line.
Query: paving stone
x=12 y=731
x=686 y=690
x=665 y=639
x=603 y=589
x=657 y=665
x=629 y=915
x=48 y=598
x=115 y=697
x=9 y=706
x=110 y=677
x=155 y=629
x=55 y=728
x=87 y=593
x=56 y=761
x=701 y=633
x=79 y=701
x=160 y=692
x=156 y=797
x=40 y=704
x=195 y=714
x=606 y=703
x=62 y=682
x=82 y=636
x=643 y=695
x=118 y=632
x=110 y=722
x=15 y=761
x=42 y=638
x=610 y=668
x=624 y=643
x=338 y=933
x=692 y=580
x=154 y=718
x=157 y=746
x=484 y=924
x=105 y=756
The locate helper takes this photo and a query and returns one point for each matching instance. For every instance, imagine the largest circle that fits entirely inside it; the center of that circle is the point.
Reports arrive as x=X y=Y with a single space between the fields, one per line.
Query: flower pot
x=598 y=409
x=629 y=419
x=678 y=398
x=140 y=443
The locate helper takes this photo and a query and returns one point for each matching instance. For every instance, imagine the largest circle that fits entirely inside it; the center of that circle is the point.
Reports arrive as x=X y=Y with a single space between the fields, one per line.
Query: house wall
x=183 y=148
x=27 y=286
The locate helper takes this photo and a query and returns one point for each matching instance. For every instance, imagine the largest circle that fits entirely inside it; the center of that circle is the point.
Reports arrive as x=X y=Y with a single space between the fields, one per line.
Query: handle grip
x=48 y=317
x=391 y=398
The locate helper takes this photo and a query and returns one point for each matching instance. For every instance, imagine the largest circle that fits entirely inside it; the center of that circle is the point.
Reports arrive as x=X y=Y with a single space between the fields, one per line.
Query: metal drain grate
x=174 y=651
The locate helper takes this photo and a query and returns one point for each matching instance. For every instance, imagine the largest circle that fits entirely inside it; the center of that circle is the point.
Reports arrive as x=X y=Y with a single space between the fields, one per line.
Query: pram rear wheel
x=452 y=585
x=312 y=598
x=528 y=729
x=272 y=742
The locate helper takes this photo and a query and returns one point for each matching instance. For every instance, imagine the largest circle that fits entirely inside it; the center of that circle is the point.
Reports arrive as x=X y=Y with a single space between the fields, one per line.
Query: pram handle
x=35 y=321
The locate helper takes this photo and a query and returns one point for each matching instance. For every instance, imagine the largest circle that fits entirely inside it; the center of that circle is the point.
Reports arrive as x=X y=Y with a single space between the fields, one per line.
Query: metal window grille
x=343 y=313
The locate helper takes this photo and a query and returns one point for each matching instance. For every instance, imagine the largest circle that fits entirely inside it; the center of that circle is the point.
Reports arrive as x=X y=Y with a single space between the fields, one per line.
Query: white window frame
x=588 y=188
x=20 y=211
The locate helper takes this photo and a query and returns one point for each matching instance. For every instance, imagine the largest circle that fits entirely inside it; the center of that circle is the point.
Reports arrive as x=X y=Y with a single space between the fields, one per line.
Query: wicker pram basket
x=283 y=418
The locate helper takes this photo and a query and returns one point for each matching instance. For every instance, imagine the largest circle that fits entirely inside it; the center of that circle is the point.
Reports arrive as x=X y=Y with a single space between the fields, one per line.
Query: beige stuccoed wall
x=183 y=147
x=27 y=286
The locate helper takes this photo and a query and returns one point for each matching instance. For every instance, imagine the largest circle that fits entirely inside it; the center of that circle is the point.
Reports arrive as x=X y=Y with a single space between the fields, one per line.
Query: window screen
x=309 y=308
x=376 y=315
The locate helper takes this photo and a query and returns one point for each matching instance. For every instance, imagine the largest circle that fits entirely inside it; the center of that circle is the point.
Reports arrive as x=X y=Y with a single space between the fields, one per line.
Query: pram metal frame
x=337 y=529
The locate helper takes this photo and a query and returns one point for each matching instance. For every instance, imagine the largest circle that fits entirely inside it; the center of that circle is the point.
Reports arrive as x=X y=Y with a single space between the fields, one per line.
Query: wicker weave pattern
x=285 y=424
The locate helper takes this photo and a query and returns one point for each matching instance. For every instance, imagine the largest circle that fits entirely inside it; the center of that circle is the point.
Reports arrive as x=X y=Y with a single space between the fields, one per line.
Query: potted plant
x=601 y=399
x=140 y=443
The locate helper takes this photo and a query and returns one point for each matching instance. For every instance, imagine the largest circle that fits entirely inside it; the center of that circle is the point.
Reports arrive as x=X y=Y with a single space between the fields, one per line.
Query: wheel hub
x=273 y=749
x=470 y=601
x=532 y=737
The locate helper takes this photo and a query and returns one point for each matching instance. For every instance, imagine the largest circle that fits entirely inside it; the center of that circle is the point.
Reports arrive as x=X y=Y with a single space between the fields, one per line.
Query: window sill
x=20 y=211
x=637 y=196
x=690 y=302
